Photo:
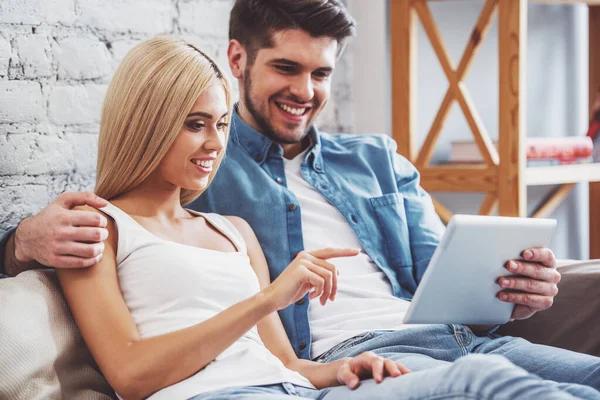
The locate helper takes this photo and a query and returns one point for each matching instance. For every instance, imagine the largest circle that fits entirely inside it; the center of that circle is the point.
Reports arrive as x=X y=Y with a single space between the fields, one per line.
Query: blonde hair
x=148 y=99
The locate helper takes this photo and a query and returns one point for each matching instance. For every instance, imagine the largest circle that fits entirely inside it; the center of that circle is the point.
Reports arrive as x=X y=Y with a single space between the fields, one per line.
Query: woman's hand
x=368 y=365
x=308 y=270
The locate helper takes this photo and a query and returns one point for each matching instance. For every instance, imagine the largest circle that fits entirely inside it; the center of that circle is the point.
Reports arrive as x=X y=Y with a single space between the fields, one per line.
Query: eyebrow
x=296 y=64
x=204 y=114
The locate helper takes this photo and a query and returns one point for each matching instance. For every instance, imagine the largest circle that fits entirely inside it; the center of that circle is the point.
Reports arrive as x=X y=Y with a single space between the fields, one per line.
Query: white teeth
x=291 y=110
x=203 y=163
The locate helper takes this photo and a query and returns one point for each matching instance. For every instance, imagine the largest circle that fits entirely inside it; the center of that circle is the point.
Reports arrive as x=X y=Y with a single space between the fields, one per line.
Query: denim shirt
x=374 y=188
x=3 y=242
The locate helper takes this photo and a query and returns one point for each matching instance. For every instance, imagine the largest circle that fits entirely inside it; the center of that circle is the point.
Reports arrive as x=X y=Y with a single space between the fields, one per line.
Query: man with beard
x=302 y=189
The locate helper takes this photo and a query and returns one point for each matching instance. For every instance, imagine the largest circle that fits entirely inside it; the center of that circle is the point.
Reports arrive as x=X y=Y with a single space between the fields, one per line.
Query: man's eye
x=285 y=68
x=321 y=75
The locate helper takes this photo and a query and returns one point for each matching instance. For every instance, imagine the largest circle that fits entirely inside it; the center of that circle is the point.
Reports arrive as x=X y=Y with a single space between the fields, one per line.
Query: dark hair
x=253 y=22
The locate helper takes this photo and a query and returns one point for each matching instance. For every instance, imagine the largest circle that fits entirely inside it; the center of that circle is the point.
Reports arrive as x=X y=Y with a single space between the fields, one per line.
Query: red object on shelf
x=563 y=148
x=592 y=132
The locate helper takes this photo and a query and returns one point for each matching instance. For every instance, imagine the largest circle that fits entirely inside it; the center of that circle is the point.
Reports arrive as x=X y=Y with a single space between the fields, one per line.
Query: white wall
x=556 y=90
x=56 y=59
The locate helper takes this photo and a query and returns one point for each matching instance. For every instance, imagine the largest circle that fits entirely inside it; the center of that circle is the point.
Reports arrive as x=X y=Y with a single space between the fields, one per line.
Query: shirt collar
x=258 y=145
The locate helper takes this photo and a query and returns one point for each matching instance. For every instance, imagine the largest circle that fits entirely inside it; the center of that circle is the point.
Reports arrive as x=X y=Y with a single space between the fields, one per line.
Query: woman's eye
x=195 y=126
x=222 y=126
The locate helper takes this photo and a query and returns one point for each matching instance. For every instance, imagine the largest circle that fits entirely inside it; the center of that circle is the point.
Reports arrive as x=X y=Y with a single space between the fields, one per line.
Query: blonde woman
x=180 y=305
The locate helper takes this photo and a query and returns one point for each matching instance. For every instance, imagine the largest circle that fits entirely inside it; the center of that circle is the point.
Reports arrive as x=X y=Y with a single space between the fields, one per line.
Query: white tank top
x=169 y=286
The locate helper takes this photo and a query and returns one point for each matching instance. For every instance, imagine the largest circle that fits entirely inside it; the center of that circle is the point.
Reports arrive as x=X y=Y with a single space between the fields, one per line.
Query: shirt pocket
x=393 y=227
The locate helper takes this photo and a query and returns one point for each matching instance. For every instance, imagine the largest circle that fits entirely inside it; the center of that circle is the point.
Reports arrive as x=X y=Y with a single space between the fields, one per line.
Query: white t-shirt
x=364 y=301
x=169 y=286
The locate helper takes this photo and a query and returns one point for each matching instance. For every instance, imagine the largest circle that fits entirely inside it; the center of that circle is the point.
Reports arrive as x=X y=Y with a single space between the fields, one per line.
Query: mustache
x=311 y=103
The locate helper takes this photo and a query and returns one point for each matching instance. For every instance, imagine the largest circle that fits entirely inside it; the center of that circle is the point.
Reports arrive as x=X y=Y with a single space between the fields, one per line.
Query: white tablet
x=460 y=284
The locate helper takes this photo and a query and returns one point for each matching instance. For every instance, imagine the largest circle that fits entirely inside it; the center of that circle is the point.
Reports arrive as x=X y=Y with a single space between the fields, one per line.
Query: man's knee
x=480 y=365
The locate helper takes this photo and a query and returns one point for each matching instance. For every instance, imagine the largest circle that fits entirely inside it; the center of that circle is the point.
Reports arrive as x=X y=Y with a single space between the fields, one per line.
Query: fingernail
x=504 y=282
x=528 y=254
x=512 y=266
x=503 y=296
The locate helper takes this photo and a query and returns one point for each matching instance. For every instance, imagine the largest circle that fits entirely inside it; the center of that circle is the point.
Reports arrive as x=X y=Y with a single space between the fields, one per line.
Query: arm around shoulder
x=9 y=263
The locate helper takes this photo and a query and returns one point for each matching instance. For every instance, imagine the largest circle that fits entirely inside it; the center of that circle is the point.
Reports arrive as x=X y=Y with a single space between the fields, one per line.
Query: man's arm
x=10 y=265
x=58 y=236
x=4 y=238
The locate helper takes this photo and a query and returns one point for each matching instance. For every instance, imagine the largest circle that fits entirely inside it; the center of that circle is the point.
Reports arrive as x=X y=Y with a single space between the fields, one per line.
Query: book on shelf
x=531 y=163
x=562 y=149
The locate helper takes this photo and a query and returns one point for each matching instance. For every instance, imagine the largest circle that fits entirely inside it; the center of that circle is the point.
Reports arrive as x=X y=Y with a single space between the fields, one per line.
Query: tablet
x=460 y=283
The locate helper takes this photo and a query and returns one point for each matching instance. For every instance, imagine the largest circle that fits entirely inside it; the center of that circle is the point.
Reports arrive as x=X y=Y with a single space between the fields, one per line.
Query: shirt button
x=300 y=302
x=279 y=180
x=318 y=167
x=292 y=207
x=258 y=158
x=354 y=219
x=302 y=345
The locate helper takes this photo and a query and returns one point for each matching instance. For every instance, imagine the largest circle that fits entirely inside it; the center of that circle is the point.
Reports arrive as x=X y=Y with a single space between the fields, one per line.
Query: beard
x=266 y=127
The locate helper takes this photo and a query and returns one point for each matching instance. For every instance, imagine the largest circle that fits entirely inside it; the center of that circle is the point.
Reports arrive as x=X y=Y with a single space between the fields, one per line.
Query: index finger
x=541 y=255
x=333 y=253
x=347 y=377
x=74 y=199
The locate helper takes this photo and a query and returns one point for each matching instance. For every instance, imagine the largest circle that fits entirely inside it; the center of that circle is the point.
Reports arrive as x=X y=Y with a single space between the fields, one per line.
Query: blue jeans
x=445 y=366
x=475 y=377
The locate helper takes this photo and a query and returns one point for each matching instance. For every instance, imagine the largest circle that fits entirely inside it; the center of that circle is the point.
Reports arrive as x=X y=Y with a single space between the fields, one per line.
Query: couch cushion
x=573 y=322
x=42 y=354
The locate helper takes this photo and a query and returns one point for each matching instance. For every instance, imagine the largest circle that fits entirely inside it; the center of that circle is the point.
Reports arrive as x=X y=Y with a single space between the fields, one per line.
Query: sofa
x=42 y=355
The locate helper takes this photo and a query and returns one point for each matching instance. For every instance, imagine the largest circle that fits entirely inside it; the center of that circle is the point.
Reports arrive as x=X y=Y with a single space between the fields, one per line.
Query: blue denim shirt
x=372 y=186
x=3 y=241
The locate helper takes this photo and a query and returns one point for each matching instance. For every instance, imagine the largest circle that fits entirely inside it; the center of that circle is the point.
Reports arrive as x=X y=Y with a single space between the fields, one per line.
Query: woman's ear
x=236 y=55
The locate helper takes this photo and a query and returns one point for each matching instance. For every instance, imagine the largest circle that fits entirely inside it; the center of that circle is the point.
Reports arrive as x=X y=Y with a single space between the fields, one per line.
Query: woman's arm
x=346 y=371
x=136 y=368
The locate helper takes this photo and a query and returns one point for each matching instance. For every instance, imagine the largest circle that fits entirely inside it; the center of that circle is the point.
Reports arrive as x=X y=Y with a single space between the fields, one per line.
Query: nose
x=215 y=140
x=302 y=88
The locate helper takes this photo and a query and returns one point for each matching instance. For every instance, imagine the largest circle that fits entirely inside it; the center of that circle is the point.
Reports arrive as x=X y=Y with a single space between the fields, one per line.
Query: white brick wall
x=56 y=60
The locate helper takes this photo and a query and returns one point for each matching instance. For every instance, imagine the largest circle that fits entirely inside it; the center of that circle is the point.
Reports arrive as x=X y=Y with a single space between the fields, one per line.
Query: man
x=303 y=189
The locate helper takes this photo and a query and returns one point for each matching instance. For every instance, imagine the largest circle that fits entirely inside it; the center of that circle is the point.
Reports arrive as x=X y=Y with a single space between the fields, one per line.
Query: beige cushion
x=42 y=354
x=573 y=322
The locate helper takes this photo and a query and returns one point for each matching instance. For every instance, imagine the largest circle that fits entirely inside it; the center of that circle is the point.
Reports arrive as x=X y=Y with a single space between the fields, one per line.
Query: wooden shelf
x=503 y=176
x=561 y=174
x=588 y=2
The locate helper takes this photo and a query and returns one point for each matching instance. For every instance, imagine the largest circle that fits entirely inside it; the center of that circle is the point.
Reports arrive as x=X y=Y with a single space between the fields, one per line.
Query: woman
x=180 y=305
x=174 y=290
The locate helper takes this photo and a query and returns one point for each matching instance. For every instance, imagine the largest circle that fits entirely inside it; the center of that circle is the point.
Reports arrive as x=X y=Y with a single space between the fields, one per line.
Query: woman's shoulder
x=243 y=228
x=107 y=222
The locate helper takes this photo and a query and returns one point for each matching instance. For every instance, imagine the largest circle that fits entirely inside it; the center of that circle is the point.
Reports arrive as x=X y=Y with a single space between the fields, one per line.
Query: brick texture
x=56 y=60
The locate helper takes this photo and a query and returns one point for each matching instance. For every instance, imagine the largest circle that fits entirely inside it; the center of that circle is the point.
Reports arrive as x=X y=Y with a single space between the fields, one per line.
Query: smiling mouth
x=294 y=111
x=205 y=165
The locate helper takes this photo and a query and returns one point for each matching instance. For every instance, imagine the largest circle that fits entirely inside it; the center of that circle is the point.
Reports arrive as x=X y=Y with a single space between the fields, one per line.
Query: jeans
x=475 y=376
x=446 y=365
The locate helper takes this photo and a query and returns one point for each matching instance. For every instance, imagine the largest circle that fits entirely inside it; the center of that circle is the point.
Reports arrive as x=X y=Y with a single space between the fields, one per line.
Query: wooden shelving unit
x=503 y=176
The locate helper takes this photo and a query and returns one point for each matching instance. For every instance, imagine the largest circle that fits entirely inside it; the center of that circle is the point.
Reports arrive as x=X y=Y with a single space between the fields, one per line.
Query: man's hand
x=534 y=287
x=368 y=365
x=62 y=237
